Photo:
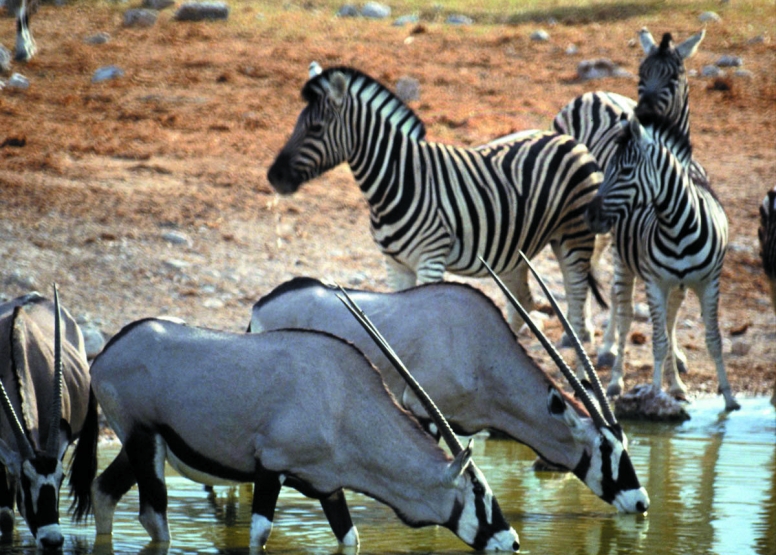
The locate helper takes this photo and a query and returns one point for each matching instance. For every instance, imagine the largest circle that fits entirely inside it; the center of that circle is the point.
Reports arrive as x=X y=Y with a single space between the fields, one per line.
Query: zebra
x=25 y=45
x=436 y=207
x=669 y=230
x=593 y=119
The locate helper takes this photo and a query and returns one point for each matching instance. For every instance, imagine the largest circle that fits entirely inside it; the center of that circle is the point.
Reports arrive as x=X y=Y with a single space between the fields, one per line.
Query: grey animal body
x=435 y=207
x=594 y=119
x=38 y=421
x=23 y=10
x=671 y=232
x=296 y=408
x=467 y=358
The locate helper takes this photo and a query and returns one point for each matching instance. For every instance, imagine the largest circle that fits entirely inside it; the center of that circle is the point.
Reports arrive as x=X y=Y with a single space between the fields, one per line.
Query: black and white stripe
x=593 y=119
x=437 y=208
x=671 y=232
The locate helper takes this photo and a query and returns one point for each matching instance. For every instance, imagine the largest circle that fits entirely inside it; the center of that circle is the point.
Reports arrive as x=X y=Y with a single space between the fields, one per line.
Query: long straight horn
x=592 y=375
x=567 y=372
x=52 y=443
x=444 y=428
x=27 y=452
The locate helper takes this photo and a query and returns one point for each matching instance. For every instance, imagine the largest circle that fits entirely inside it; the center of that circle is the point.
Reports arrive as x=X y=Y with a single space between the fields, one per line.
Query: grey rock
x=94 y=340
x=157 y=4
x=759 y=39
x=5 y=59
x=646 y=402
x=745 y=73
x=140 y=18
x=176 y=264
x=213 y=303
x=459 y=19
x=99 y=38
x=18 y=81
x=540 y=35
x=740 y=348
x=572 y=49
x=376 y=10
x=176 y=238
x=408 y=89
x=729 y=61
x=348 y=10
x=599 y=68
x=202 y=11
x=106 y=73
x=406 y=19
x=712 y=71
x=709 y=17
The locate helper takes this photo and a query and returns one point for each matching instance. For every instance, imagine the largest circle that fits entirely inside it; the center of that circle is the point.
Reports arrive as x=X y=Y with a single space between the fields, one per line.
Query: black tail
x=83 y=466
x=595 y=288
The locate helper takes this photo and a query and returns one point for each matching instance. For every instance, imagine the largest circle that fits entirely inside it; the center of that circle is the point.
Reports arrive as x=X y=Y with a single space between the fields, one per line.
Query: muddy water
x=712 y=483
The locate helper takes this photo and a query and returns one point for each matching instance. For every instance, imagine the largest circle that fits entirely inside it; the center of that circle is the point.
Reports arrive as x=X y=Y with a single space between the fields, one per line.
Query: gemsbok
x=45 y=396
x=464 y=353
x=293 y=407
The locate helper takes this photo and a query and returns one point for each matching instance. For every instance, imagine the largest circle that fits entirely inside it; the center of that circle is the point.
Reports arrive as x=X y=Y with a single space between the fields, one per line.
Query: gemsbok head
x=44 y=390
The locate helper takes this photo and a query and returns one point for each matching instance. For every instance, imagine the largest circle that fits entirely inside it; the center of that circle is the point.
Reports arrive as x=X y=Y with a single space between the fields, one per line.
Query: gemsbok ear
x=459 y=465
x=689 y=47
x=647 y=41
x=337 y=87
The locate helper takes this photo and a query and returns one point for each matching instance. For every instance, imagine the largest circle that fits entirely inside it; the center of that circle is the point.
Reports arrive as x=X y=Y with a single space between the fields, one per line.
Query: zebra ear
x=647 y=41
x=689 y=47
x=337 y=87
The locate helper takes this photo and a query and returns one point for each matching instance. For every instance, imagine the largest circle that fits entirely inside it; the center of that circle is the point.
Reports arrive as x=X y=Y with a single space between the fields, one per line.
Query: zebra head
x=38 y=472
x=663 y=85
x=319 y=141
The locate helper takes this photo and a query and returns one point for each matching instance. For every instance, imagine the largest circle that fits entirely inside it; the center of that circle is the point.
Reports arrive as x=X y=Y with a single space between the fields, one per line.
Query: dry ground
x=92 y=175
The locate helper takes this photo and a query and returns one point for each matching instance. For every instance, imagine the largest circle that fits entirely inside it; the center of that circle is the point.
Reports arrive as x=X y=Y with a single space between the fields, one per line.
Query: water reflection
x=712 y=482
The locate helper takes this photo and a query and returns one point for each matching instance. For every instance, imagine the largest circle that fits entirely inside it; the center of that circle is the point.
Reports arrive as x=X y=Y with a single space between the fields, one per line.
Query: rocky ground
x=147 y=194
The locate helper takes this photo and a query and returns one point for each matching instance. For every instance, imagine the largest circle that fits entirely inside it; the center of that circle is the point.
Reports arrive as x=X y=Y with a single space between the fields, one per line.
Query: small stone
x=100 y=38
x=759 y=39
x=459 y=19
x=646 y=402
x=348 y=10
x=408 y=89
x=140 y=18
x=5 y=59
x=213 y=303
x=572 y=49
x=202 y=11
x=18 y=81
x=709 y=17
x=376 y=10
x=405 y=19
x=94 y=340
x=540 y=35
x=711 y=71
x=157 y=4
x=598 y=69
x=176 y=238
x=745 y=73
x=176 y=264
x=106 y=73
x=729 y=61
x=740 y=348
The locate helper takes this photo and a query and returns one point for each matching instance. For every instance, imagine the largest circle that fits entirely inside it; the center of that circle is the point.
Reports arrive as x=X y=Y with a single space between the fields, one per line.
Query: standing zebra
x=435 y=207
x=593 y=119
x=670 y=231
x=25 y=45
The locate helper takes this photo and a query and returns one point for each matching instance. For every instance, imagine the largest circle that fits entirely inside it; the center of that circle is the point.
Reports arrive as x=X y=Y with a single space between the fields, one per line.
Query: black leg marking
x=141 y=450
x=118 y=478
x=266 y=489
x=335 y=507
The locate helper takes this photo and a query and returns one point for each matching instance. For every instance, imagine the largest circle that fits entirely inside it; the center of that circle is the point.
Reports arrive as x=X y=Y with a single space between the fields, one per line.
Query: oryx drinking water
x=45 y=396
x=293 y=407
x=465 y=355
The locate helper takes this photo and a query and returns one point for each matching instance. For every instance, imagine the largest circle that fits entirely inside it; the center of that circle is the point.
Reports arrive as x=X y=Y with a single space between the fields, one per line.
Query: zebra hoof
x=605 y=360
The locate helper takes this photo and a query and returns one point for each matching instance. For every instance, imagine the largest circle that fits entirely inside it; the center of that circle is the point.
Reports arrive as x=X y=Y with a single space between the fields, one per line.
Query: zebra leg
x=7 y=497
x=399 y=276
x=147 y=452
x=622 y=301
x=675 y=385
x=25 y=45
x=575 y=281
x=109 y=488
x=709 y=297
x=335 y=507
x=657 y=297
x=266 y=489
x=517 y=282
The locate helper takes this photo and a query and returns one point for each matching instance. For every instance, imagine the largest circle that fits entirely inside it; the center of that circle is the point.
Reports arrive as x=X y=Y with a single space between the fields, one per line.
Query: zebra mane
x=314 y=89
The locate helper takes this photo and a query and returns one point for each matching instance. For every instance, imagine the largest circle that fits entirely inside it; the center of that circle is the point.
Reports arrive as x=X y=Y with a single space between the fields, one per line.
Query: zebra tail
x=595 y=288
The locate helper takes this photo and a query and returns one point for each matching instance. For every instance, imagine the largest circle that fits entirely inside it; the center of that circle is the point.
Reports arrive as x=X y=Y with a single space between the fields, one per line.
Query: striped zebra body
x=593 y=119
x=671 y=232
x=436 y=207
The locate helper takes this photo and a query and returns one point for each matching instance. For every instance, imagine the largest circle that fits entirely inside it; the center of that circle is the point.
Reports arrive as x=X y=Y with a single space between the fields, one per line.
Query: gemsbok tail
x=84 y=464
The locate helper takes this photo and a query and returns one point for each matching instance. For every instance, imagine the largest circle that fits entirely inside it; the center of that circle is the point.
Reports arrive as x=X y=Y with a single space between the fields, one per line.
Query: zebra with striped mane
x=25 y=47
x=669 y=230
x=435 y=207
x=594 y=119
